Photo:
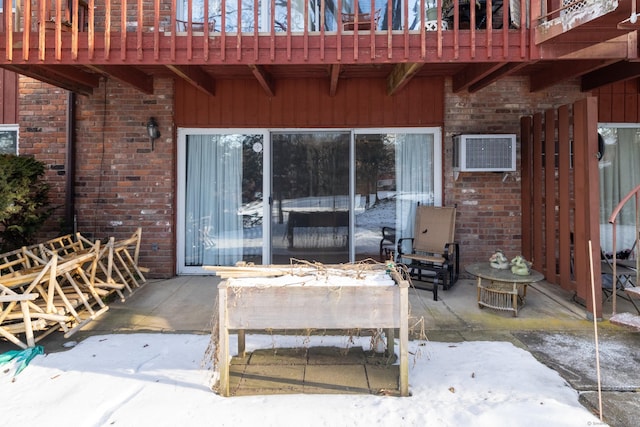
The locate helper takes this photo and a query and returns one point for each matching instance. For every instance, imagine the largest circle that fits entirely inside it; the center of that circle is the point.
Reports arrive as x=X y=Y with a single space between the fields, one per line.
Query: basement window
x=8 y=139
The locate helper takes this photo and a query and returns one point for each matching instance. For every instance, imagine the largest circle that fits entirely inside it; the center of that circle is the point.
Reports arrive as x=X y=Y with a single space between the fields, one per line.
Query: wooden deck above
x=72 y=43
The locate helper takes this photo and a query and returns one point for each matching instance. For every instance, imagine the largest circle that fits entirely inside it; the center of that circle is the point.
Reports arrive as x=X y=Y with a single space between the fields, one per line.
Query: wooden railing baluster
x=123 y=30
x=91 y=29
x=66 y=32
x=139 y=30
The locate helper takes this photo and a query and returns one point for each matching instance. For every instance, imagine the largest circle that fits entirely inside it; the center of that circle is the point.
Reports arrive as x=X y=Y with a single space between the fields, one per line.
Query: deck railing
x=77 y=30
x=633 y=195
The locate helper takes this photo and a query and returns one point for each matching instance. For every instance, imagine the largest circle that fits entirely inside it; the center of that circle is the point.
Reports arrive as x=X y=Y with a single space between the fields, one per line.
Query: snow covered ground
x=165 y=380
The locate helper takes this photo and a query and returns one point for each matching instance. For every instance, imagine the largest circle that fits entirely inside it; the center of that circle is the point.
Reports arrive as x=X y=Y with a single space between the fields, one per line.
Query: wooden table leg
x=390 y=342
x=241 y=343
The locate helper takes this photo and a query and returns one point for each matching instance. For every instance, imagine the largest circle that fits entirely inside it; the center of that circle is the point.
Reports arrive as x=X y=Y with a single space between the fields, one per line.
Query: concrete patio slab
x=551 y=326
x=337 y=378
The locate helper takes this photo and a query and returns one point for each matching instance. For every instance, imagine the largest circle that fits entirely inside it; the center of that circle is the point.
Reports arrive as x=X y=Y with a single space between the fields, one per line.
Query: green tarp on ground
x=21 y=357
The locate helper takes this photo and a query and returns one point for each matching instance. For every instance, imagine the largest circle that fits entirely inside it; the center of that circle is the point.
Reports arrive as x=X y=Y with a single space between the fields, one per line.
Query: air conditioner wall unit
x=484 y=153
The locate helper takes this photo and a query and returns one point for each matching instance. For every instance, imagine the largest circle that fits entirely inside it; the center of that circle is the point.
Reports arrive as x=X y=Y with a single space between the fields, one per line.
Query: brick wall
x=43 y=134
x=121 y=184
x=489 y=210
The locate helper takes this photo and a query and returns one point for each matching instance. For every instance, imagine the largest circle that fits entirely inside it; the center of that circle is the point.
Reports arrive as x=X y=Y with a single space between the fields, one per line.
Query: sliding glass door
x=331 y=196
x=619 y=174
x=310 y=196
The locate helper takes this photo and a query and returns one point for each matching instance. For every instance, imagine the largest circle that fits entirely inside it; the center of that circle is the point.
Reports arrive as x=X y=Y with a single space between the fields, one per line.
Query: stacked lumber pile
x=63 y=283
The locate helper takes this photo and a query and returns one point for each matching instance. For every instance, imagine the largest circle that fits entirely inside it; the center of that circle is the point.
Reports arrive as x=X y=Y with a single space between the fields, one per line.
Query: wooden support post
x=223 y=343
x=241 y=343
x=390 y=342
x=404 y=338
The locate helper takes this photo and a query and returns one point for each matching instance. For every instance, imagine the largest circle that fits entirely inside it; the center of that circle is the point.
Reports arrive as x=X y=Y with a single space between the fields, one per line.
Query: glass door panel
x=394 y=172
x=222 y=199
x=619 y=174
x=310 y=197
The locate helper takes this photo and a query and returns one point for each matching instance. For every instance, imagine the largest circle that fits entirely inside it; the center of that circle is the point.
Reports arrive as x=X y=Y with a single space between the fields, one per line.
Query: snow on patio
x=165 y=380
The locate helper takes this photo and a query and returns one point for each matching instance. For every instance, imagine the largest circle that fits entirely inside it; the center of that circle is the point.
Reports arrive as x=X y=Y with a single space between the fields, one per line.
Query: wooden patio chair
x=71 y=246
x=13 y=261
x=74 y=292
x=364 y=21
x=434 y=254
x=107 y=275
x=14 y=322
x=64 y=245
x=387 y=243
x=624 y=282
x=67 y=288
x=125 y=256
x=23 y=305
x=182 y=26
x=67 y=15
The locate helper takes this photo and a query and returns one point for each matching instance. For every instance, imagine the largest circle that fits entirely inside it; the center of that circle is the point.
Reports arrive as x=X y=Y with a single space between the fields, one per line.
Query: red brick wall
x=120 y=184
x=489 y=210
x=43 y=130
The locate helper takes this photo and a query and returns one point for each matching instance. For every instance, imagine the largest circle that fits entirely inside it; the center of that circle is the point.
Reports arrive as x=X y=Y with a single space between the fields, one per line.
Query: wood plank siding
x=306 y=103
x=9 y=97
x=619 y=102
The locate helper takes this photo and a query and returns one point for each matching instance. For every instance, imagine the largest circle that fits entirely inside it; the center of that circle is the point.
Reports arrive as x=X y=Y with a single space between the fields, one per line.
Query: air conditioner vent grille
x=484 y=153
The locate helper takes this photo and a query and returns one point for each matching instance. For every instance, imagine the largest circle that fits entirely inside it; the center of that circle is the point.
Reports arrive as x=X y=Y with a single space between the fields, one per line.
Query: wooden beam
x=560 y=71
x=620 y=71
x=264 y=79
x=472 y=74
x=75 y=81
x=334 y=74
x=624 y=46
x=501 y=72
x=196 y=76
x=70 y=72
x=128 y=75
x=276 y=49
x=401 y=75
x=593 y=16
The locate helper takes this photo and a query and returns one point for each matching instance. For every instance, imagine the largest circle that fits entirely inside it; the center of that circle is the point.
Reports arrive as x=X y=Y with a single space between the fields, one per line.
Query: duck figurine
x=499 y=261
x=520 y=266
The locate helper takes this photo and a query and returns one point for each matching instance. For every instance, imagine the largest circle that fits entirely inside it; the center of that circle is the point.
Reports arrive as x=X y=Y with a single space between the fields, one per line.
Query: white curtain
x=619 y=174
x=213 y=234
x=414 y=178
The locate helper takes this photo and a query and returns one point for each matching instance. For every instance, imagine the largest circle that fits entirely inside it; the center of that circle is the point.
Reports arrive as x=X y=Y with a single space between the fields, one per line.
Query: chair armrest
x=450 y=248
x=400 y=252
x=389 y=233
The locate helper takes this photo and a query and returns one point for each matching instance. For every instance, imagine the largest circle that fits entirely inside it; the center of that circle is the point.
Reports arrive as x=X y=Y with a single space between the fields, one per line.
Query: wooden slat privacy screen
x=560 y=197
x=9 y=94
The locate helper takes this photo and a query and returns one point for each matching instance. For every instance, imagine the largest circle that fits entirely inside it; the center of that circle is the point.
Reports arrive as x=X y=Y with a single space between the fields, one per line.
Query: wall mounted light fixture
x=153 y=131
